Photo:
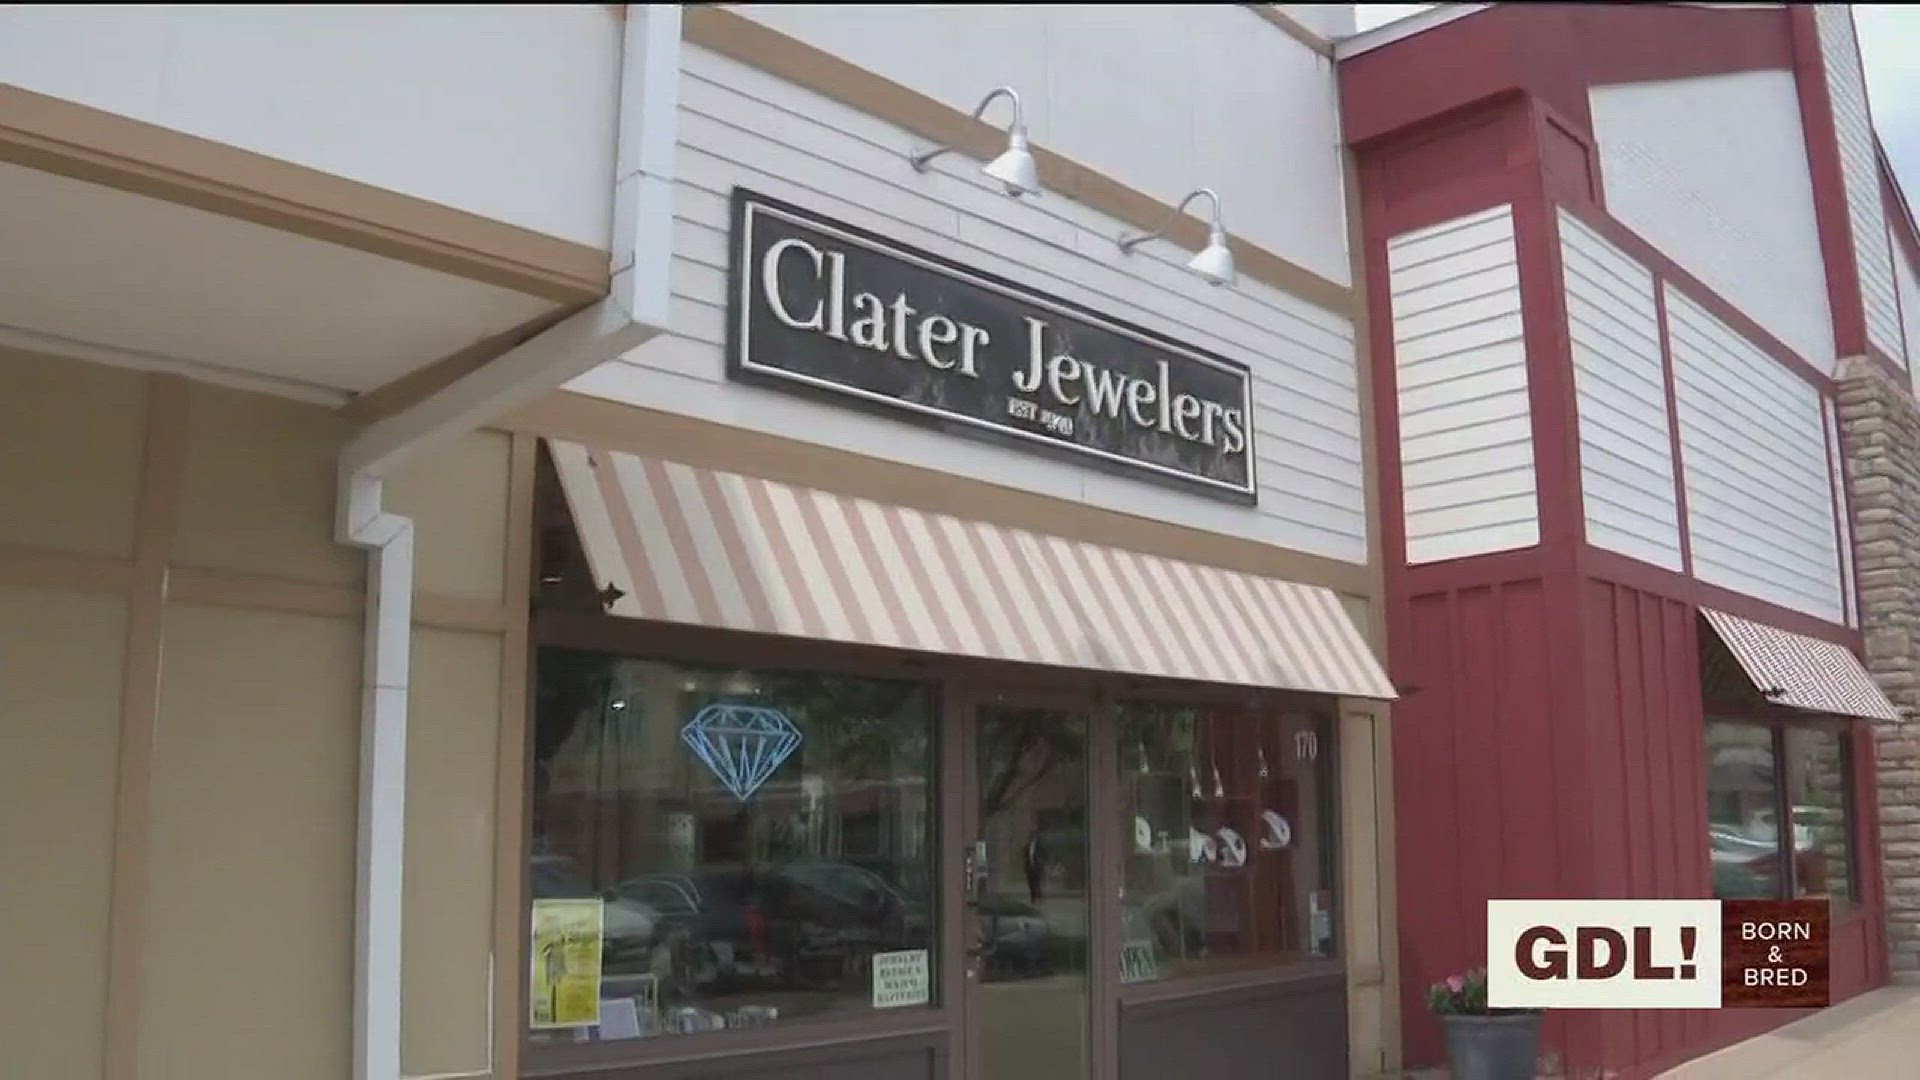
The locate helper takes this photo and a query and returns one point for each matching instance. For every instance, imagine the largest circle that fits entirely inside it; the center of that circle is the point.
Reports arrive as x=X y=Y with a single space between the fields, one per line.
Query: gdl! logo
x=1656 y=954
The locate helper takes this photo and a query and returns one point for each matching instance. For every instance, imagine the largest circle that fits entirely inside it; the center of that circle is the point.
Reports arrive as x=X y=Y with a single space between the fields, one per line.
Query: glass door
x=1029 y=889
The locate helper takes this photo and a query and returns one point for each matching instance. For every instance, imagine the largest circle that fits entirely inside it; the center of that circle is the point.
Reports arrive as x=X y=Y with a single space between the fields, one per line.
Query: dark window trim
x=1777 y=724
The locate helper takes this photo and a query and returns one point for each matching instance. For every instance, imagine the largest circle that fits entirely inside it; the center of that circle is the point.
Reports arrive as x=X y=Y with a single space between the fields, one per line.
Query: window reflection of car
x=628 y=925
x=680 y=925
x=1744 y=867
x=670 y=896
x=1177 y=915
x=1809 y=822
x=811 y=920
x=1022 y=942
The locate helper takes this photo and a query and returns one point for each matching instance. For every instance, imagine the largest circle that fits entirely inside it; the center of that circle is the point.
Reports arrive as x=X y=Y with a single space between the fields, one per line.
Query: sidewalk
x=1873 y=1037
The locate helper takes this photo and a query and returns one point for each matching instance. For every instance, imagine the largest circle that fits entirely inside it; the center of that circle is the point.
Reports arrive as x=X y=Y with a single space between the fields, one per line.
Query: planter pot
x=1492 y=1047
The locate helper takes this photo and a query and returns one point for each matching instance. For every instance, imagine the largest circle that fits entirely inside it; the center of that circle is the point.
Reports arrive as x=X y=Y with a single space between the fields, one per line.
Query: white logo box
x=1535 y=934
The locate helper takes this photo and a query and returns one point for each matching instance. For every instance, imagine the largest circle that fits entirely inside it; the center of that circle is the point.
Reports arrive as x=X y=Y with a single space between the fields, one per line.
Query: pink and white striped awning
x=1801 y=672
x=690 y=545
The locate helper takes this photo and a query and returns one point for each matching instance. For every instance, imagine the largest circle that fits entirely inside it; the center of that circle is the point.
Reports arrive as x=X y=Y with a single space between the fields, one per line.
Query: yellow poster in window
x=567 y=935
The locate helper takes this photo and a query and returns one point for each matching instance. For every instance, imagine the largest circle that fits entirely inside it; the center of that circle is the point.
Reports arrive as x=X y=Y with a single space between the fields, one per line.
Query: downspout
x=379 y=847
x=633 y=312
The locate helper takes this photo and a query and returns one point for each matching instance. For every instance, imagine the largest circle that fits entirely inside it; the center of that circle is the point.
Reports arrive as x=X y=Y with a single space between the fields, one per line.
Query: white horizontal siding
x=1466 y=438
x=1753 y=449
x=740 y=126
x=1731 y=202
x=1909 y=282
x=1849 y=594
x=1860 y=168
x=1620 y=385
x=1163 y=97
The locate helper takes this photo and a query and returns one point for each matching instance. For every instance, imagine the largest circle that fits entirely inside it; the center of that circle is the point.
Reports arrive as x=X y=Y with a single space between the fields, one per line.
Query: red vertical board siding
x=1552 y=739
x=1530 y=826
x=1425 y=817
x=1648 y=760
x=1472 y=793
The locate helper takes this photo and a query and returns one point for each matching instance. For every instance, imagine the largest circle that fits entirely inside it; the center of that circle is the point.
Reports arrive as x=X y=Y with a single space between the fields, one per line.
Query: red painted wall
x=1551 y=742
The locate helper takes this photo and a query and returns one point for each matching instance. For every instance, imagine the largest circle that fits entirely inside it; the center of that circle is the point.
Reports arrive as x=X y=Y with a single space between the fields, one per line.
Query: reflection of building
x=1618 y=279
x=622 y=796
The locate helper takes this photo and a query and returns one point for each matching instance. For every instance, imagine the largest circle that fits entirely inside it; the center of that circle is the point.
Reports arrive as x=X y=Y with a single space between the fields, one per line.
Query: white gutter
x=634 y=312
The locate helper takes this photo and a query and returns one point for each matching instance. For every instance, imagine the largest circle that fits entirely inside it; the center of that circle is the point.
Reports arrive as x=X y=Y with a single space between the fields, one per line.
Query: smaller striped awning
x=695 y=546
x=1801 y=672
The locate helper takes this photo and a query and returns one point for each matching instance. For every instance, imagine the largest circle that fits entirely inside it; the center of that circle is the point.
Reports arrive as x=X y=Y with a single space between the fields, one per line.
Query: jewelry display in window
x=1201 y=847
x=1278 y=833
x=1233 y=847
x=1142 y=835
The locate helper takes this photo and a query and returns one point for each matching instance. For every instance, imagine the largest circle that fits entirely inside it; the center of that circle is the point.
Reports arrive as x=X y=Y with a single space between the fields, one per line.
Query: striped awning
x=1801 y=672
x=690 y=545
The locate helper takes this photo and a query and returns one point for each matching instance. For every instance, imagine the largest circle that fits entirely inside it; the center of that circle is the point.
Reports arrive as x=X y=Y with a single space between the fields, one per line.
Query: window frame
x=940 y=1015
x=1777 y=728
x=1324 y=719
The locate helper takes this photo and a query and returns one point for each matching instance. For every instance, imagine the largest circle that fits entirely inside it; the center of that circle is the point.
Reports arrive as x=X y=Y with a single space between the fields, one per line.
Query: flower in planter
x=1465 y=995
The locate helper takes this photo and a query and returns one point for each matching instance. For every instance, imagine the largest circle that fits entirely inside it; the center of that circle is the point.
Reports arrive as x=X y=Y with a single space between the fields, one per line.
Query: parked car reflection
x=1022 y=942
x=803 y=923
x=1745 y=866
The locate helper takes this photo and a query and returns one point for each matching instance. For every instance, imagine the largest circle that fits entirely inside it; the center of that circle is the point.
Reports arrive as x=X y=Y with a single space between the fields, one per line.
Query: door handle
x=973 y=872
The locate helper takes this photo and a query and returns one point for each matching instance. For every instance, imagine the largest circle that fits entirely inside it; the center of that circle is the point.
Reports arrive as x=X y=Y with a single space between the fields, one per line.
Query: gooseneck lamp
x=1214 y=263
x=1014 y=168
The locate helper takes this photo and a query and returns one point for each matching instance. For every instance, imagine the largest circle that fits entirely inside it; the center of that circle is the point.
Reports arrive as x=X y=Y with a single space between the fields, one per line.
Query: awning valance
x=1801 y=672
x=696 y=546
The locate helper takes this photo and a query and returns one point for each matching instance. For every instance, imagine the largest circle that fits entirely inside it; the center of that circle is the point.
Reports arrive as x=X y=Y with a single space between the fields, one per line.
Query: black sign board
x=821 y=306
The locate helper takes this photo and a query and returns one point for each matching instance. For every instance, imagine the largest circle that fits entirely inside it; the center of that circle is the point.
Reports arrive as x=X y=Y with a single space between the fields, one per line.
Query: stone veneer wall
x=1880 y=431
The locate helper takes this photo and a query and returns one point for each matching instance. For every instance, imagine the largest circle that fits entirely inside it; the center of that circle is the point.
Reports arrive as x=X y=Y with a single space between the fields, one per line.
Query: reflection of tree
x=571 y=684
x=862 y=727
x=1010 y=743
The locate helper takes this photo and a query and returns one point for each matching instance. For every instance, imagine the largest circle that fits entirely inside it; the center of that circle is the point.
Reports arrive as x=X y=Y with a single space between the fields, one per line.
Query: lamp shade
x=1015 y=168
x=1215 y=261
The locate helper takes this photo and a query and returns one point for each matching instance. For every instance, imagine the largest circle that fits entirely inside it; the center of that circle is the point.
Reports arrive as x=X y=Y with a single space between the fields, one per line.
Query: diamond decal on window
x=743 y=744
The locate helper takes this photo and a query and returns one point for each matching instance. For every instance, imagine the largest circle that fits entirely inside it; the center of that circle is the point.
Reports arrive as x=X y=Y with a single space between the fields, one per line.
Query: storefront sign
x=900 y=979
x=742 y=744
x=567 y=937
x=825 y=307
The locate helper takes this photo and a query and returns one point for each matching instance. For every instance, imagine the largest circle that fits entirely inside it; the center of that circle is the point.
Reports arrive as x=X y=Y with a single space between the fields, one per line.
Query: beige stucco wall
x=450 y=853
x=248 y=959
x=59 y=732
x=242 y=949
x=69 y=455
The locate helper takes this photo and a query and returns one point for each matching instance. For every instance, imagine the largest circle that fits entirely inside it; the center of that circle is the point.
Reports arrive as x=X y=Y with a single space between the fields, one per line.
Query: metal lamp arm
x=921 y=160
x=1128 y=243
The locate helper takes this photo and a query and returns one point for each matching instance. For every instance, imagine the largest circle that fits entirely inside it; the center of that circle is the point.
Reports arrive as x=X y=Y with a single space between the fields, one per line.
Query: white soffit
x=88 y=263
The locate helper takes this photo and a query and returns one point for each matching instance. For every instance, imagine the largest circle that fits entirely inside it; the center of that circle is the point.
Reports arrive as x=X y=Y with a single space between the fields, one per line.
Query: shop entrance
x=1027 y=879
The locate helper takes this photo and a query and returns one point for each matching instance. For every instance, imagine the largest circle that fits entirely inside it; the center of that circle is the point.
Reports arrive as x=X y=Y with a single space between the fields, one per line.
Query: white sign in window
x=900 y=979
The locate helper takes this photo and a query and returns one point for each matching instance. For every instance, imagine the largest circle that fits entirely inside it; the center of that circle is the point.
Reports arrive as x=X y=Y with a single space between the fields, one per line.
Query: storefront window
x=1743 y=809
x=1778 y=812
x=1228 y=828
x=751 y=841
x=1818 y=773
